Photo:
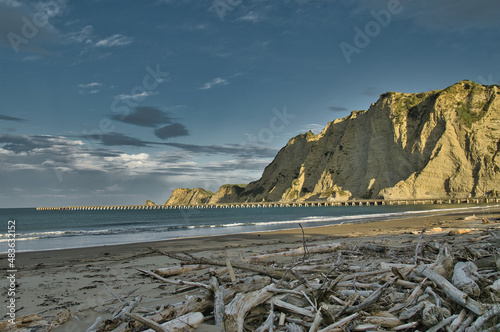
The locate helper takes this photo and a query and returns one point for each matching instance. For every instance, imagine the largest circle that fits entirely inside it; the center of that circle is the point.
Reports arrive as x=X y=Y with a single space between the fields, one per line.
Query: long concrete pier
x=275 y=204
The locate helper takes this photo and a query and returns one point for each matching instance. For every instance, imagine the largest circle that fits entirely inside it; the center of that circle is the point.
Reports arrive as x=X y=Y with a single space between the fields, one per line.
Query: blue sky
x=116 y=102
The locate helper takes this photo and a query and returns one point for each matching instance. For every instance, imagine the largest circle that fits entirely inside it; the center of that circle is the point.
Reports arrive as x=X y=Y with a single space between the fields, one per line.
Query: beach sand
x=74 y=279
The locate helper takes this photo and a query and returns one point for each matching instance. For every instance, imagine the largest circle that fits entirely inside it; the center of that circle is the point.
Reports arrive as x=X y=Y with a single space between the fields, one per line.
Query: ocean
x=51 y=230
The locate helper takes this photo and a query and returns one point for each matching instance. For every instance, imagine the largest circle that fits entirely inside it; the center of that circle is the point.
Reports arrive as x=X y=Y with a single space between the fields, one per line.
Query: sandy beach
x=76 y=279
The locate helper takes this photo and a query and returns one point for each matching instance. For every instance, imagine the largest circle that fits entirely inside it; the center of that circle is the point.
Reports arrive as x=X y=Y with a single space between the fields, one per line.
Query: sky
x=115 y=102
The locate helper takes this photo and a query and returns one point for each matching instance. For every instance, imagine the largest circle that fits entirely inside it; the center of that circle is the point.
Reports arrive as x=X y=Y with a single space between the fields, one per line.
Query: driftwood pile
x=422 y=286
x=425 y=285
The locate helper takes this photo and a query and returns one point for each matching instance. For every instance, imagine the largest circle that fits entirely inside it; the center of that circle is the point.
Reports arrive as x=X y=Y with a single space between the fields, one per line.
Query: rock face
x=183 y=196
x=227 y=193
x=436 y=144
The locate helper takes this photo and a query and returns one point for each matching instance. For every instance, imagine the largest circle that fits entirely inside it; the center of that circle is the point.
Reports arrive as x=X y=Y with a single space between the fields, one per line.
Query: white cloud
x=114 y=40
x=137 y=96
x=89 y=85
x=214 y=82
x=91 y=88
x=251 y=17
x=82 y=36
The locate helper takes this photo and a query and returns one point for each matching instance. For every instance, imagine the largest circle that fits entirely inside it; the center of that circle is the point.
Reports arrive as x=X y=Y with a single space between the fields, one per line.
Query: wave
x=158 y=228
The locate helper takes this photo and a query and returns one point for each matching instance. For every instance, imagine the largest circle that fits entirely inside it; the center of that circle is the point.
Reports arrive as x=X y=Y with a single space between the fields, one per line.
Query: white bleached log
x=187 y=322
x=176 y=270
x=463 y=278
x=324 y=248
x=238 y=308
x=451 y=291
x=293 y=308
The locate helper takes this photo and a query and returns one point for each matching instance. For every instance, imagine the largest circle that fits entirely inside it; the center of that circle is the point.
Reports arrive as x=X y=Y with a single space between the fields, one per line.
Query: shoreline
x=361 y=219
x=343 y=230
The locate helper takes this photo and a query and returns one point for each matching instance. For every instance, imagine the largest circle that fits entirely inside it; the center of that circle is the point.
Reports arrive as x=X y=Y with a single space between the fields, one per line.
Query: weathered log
x=240 y=265
x=317 y=321
x=458 y=321
x=467 y=322
x=405 y=327
x=365 y=327
x=371 y=299
x=384 y=319
x=230 y=270
x=174 y=282
x=176 y=270
x=296 y=252
x=27 y=323
x=340 y=323
x=146 y=321
x=292 y=327
x=292 y=308
x=408 y=313
x=187 y=322
x=218 y=302
x=451 y=291
x=269 y=322
x=463 y=278
x=478 y=324
x=442 y=323
x=128 y=308
x=238 y=308
x=432 y=314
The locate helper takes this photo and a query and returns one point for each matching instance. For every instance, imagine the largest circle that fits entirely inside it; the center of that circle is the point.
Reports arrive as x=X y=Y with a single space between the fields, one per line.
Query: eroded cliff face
x=185 y=196
x=227 y=193
x=435 y=144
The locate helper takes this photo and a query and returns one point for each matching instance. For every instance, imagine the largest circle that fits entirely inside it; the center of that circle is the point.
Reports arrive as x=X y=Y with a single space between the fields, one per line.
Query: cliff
x=182 y=196
x=227 y=193
x=436 y=144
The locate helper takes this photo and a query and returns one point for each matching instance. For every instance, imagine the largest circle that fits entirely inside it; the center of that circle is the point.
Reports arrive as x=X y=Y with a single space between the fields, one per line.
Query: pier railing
x=276 y=204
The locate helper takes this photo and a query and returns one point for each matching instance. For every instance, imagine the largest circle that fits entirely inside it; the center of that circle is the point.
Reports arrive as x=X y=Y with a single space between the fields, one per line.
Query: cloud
x=114 y=40
x=338 y=108
x=82 y=36
x=89 y=87
x=251 y=17
x=118 y=139
x=10 y=118
x=27 y=144
x=137 y=96
x=214 y=82
x=244 y=151
x=40 y=170
x=169 y=131
x=145 y=116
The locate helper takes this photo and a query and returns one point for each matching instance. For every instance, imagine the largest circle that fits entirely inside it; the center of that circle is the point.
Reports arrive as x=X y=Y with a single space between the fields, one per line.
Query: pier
x=254 y=205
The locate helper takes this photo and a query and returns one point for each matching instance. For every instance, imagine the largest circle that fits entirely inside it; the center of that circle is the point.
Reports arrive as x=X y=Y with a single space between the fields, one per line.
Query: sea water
x=50 y=230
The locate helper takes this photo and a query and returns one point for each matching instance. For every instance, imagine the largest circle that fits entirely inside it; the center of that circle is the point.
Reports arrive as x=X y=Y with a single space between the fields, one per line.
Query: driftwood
x=309 y=289
x=188 y=322
x=176 y=270
x=296 y=252
x=237 y=309
x=454 y=293
x=463 y=278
